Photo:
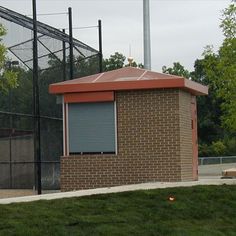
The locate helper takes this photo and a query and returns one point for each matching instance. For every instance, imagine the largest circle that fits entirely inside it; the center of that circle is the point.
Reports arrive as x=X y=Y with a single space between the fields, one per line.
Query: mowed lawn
x=201 y=210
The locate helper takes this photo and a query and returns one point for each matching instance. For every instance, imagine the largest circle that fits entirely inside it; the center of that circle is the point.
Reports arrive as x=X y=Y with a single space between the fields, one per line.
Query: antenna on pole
x=129 y=50
x=130 y=58
x=146 y=35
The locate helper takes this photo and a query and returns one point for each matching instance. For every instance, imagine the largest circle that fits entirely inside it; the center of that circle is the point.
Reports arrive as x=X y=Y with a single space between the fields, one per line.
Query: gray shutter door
x=91 y=127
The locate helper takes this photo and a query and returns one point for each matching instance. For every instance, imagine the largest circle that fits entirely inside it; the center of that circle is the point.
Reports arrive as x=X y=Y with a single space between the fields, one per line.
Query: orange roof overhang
x=181 y=83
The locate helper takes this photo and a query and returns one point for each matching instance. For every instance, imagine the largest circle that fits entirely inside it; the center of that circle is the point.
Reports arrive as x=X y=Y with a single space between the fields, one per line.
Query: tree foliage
x=228 y=21
x=8 y=78
x=116 y=61
x=209 y=108
x=177 y=69
x=220 y=69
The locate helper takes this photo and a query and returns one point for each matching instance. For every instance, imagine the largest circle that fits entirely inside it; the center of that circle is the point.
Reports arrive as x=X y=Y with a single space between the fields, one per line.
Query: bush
x=226 y=147
x=231 y=146
x=218 y=148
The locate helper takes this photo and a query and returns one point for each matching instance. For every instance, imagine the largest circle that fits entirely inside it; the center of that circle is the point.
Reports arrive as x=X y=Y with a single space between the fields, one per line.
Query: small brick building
x=128 y=126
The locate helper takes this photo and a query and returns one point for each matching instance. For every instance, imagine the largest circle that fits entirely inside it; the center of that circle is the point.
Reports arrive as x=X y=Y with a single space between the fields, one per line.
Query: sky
x=180 y=29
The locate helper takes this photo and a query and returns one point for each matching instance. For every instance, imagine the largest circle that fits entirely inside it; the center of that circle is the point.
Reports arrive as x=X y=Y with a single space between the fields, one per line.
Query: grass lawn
x=201 y=210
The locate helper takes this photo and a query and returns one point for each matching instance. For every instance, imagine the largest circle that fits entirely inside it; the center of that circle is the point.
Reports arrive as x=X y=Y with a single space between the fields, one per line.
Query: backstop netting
x=17 y=160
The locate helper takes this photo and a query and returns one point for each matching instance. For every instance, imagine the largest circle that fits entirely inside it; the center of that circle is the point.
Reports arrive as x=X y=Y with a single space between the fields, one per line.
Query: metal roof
x=127 y=78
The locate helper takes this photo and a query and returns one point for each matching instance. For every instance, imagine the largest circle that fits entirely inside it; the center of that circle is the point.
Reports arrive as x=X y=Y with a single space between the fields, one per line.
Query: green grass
x=202 y=210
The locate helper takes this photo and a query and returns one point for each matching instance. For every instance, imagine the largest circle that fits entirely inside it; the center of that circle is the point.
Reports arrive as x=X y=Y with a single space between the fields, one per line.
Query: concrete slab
x=214 y=170
x=117 y=189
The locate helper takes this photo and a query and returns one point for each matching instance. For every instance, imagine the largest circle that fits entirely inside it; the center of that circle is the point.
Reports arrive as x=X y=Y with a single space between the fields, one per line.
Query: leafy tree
x=220 y=69
x=211 y=111
x=115 y=61
x=88 y=66
x=8 y=78
x=209 y=108
x=228 y=24
x=177 y=69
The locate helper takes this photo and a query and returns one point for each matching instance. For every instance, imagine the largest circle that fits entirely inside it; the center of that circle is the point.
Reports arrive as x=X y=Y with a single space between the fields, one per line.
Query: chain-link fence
x=17 y=140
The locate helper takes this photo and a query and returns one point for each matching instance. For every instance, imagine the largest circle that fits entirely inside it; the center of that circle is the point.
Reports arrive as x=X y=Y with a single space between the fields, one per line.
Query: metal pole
x=37 y=151
x=10 y=147
x=11 y=128
x=100 y=45
x=71 y=44
x=64 y=57
x=146 y=35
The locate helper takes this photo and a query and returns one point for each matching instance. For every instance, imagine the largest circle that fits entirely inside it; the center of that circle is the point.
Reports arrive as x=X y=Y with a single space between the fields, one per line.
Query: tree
x=217 y=111
x=115 y=61
x=228 y=24
x=220 y=69
x=177 y=69
x=88 y=66
x=8 y=78
x=209 y=108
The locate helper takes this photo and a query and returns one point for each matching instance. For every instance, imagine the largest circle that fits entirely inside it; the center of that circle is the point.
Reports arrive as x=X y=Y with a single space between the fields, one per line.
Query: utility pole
x=146 y=35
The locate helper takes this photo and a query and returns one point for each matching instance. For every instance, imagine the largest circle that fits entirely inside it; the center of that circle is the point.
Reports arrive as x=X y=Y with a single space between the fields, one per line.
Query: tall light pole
x=146 y=35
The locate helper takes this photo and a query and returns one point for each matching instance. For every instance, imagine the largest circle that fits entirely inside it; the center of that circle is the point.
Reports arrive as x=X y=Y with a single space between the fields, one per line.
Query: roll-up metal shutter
x=91 y=127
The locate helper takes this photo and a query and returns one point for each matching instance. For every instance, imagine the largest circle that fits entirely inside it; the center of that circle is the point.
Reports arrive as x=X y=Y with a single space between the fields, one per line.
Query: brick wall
x=186 y=150
x=154 y=143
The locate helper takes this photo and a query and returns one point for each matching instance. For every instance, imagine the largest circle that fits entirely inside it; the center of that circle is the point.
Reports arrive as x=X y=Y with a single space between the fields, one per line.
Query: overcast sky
x=180 y=29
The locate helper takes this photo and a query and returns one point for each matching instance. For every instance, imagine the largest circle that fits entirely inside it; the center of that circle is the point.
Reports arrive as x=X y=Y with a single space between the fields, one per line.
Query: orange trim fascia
x=114 y=86
x=89 y=97
x=196 y=88
x=188 y=85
